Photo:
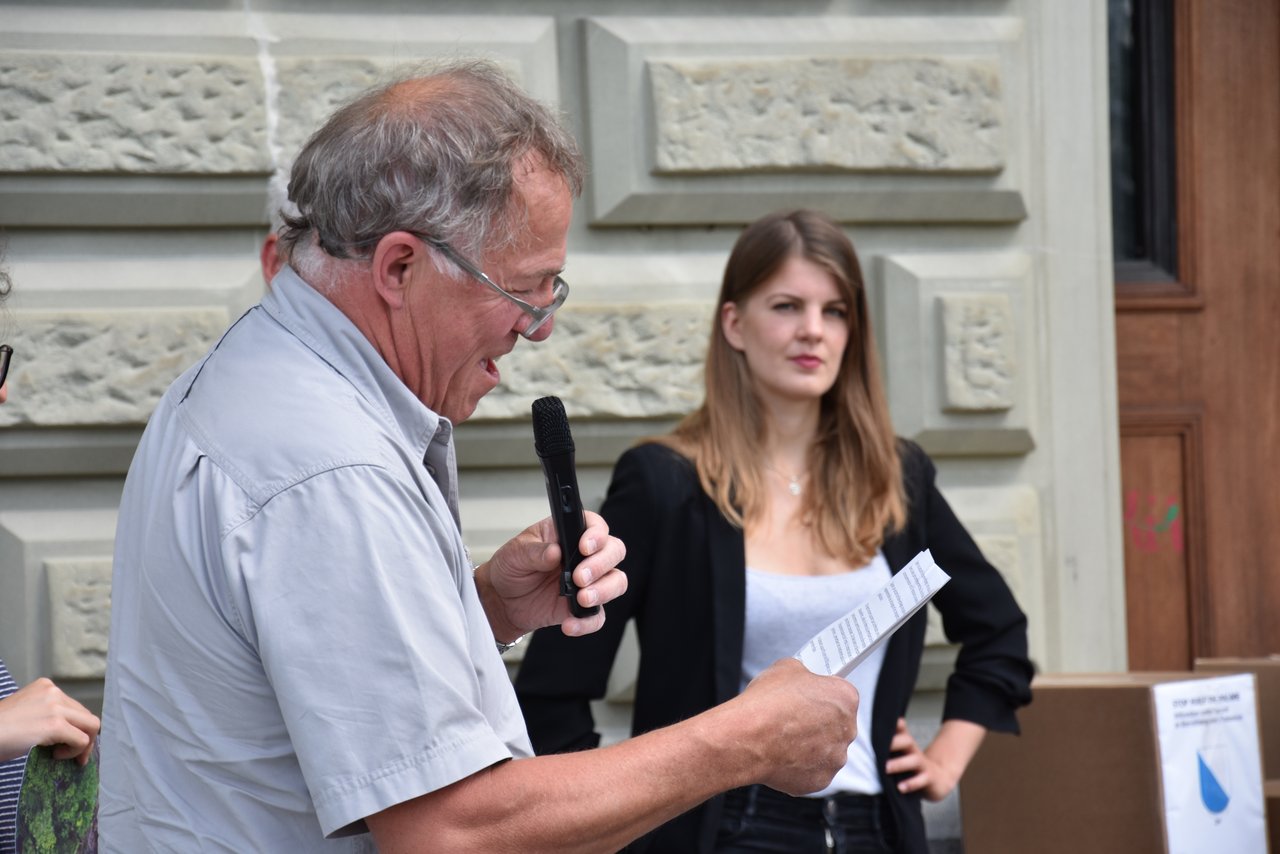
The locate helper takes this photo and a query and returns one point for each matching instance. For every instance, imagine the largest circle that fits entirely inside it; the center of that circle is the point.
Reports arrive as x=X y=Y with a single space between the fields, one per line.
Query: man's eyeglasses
x=537 y=314
x=6 y=353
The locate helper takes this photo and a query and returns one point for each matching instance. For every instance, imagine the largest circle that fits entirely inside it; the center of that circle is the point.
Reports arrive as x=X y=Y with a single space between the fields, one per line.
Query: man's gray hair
x=279 y=205
x=432 y=154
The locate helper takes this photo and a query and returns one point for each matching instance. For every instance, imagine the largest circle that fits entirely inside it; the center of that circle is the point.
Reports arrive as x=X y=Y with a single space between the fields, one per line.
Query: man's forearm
x=592 y=801
x=789 y=730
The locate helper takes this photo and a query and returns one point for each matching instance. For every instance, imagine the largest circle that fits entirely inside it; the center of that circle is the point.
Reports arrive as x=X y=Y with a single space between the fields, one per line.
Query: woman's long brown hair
x=856 y=494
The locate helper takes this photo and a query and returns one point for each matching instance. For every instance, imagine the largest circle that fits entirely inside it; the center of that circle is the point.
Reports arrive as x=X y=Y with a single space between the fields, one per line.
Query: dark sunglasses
x=6 y=353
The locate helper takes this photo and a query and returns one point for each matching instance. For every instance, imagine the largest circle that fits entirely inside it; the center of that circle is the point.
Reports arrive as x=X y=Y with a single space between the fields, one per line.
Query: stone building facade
x=963 y=143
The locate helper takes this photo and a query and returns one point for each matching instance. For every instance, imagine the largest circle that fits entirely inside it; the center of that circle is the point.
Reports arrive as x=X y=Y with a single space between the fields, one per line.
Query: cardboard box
x=1085 y=775
x=1266 y=672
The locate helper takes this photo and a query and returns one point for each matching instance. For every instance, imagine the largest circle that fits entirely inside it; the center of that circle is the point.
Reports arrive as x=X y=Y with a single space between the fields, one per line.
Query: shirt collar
x=321 y=326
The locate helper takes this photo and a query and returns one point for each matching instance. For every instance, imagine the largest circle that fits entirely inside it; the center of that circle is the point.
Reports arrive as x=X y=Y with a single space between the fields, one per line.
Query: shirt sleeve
x=992 y=676
x=355 y=592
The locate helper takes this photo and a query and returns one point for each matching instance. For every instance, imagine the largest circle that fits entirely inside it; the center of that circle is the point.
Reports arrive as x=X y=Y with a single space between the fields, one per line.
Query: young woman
x=772 y=510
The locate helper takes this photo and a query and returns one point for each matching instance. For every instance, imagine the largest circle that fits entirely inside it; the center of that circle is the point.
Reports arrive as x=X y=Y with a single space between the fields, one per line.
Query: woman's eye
x=837 y=311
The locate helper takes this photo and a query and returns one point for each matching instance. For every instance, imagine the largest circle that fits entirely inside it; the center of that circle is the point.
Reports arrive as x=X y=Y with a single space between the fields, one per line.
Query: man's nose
x=542 y=333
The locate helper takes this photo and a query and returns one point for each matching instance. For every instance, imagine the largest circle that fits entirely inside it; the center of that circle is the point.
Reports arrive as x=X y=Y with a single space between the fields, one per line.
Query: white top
x=296 y=639
x=784 y=612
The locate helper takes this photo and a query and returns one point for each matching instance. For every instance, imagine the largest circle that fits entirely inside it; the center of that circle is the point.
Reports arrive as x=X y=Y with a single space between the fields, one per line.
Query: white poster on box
x=1211 y=765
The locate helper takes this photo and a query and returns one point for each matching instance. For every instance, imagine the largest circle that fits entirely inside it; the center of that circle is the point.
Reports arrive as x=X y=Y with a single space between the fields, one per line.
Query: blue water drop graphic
x=1211 y=791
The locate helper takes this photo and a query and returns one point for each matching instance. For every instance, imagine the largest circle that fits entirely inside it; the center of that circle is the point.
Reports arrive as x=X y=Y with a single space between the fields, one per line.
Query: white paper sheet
x=842 y=646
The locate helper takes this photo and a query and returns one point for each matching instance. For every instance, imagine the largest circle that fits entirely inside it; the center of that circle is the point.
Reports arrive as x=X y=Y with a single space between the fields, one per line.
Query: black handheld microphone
x=554 y=444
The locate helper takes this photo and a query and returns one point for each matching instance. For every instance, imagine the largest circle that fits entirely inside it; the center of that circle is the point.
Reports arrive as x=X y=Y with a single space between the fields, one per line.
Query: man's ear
x=393 y=261
x=269 y=256
x=729 y=321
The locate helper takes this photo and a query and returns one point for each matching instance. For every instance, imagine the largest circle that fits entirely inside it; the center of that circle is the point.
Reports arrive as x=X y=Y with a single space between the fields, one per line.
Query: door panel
x=1160 y=458
x=1199 y=359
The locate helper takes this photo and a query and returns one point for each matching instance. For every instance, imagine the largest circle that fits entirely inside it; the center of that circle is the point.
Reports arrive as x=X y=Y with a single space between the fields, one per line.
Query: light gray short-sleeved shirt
x=296 y=639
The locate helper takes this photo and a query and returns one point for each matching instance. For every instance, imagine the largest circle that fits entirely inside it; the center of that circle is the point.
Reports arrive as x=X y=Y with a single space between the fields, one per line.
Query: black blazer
x=687 y=593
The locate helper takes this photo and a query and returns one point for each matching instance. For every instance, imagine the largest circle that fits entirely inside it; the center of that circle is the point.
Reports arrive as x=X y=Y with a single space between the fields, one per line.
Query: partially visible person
x=302 y=654
x=40 y=713
x=775 y=508
x=6 y=284
x=6 y=353
x=37 y=714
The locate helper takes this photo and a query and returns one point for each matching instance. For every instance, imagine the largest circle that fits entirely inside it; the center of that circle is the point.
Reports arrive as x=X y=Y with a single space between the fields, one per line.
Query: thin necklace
x=793 y=481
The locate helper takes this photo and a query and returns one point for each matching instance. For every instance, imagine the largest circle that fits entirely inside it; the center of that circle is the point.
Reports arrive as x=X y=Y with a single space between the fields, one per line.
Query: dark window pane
x=1143 y=166
x=1126 y=202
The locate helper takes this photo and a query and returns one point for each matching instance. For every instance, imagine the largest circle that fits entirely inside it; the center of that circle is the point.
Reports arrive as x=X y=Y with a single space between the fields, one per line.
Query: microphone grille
x=551 y=427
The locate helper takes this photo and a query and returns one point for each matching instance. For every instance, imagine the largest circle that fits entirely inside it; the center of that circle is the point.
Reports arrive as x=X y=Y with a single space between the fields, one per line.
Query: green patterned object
x=58 y=805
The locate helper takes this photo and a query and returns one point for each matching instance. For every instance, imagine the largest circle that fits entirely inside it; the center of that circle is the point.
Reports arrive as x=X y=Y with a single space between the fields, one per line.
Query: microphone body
x=554 y=444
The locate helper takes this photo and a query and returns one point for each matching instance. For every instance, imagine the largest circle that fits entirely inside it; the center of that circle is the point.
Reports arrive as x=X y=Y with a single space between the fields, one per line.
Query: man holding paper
x=303 y=656
x=772 y=511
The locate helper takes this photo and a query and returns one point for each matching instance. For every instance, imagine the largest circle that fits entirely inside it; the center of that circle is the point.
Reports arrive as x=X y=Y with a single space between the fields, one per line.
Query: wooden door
x=1199 y=358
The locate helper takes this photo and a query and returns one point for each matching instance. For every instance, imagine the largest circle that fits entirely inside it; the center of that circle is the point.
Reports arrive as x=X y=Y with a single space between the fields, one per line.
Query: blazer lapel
x=897 y=551
x=729 y=599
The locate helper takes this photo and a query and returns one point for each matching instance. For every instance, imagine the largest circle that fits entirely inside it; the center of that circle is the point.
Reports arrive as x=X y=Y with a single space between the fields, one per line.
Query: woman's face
x=792 y=331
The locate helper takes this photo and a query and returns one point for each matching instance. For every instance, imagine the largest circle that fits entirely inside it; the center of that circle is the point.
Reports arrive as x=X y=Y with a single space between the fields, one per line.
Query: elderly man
x=302 y=656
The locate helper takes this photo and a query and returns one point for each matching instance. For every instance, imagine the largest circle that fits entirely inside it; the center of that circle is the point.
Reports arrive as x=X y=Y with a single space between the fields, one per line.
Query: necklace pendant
x=794 y=487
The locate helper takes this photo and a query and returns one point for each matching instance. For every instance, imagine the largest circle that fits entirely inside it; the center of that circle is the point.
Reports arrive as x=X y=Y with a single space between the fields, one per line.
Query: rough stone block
x=884 y=120
x=102 y=367
x=829 y=113
x=957 y=377
x=133 y=114
x=79 y=615
x=619 y=361
x=311 y=88
x=979 y=351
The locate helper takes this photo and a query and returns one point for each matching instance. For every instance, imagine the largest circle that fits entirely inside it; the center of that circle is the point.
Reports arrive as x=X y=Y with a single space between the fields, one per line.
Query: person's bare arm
x=789 y=730
x=40 y=713
x=937 y=769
